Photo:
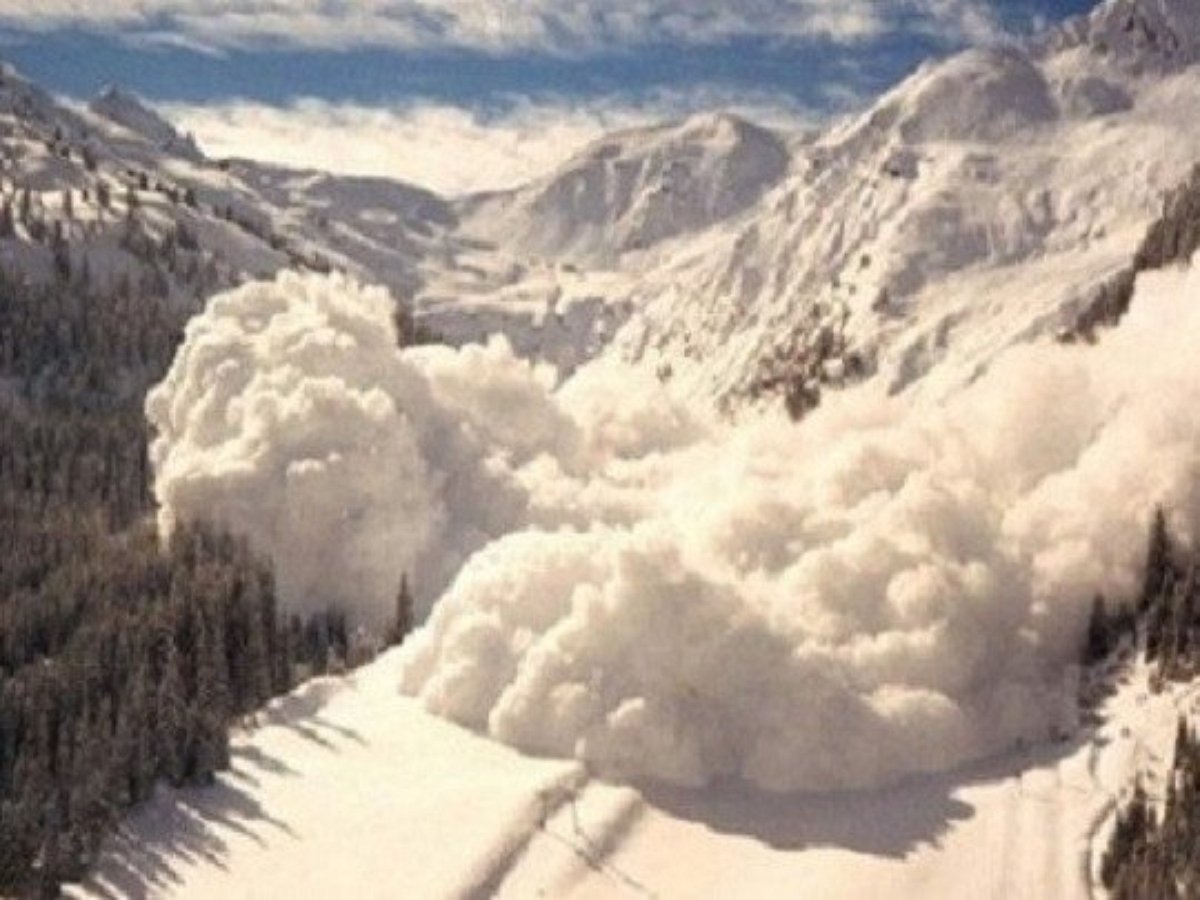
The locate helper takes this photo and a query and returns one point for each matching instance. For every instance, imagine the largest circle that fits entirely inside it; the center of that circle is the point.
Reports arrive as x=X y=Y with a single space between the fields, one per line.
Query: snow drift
x=882 y=589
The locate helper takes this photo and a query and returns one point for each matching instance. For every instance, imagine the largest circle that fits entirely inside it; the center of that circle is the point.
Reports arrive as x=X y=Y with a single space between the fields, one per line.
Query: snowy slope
x=1027 y=825
x=237 y=220
x=1138 y=35
x=347 y=790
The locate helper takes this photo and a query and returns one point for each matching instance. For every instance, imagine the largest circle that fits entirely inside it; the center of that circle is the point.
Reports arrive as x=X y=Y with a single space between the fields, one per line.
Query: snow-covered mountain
x=981 y=202
x=987 y=199
x=633 y=190
x=1138 y=35
x=102 y=171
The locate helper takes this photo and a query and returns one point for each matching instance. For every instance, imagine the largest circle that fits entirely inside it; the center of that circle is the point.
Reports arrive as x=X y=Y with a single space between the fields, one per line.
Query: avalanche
x=893 y=585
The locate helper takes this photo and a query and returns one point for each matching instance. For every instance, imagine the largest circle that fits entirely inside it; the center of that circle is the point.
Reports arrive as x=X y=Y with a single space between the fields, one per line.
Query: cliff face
x=1172 y=239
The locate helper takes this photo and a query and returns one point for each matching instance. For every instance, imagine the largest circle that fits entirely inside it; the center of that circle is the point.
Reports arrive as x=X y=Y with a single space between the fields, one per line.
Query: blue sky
x=224 y=68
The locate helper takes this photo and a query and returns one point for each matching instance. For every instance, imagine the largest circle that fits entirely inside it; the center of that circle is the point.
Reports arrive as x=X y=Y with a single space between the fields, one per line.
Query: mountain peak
x=1159 y=34
x=634 y=189
x=130 y=112
x=22 y=97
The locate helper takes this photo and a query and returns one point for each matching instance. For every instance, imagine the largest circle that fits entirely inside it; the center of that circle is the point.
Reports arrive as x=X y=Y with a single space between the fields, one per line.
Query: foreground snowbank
x=880 y=590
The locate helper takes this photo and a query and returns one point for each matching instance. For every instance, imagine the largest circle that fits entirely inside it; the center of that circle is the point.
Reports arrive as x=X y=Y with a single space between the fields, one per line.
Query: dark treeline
x=1166 y=617
x=1149 y=858
x=123 y=663
x=1153 y=857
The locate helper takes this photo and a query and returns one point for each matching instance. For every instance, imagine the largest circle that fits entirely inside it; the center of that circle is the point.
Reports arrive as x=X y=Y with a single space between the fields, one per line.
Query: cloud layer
x=882 y=589
x=449 y=149
x=509 y=25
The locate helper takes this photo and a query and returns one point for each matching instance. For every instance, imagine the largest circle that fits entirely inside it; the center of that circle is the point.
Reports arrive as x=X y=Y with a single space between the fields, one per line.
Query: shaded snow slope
x=980 y=95
x=1136 y=35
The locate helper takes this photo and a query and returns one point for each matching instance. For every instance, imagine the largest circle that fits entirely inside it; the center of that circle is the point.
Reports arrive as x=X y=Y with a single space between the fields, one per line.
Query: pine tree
x=171 y=718
x=210 y=706
x=1099 y=633
x=1158 y=561
x=1182 y=741
x=258 y=657
x=142 y=764
x=403 y=622
x=1157 y=619
x=48 y=864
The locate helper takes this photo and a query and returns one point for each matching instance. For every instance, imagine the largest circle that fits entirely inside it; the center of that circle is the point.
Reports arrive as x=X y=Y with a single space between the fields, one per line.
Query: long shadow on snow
x=192 y=823
x=188 y=825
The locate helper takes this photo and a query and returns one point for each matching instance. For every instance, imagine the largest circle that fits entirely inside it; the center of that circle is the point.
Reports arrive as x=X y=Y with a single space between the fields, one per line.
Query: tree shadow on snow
x=890 y=822
x=186 y=826
x=178 y=827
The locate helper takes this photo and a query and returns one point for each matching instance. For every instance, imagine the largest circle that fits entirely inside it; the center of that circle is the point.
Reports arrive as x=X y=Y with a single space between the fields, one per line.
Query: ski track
x=559 y=825
x=545 y=804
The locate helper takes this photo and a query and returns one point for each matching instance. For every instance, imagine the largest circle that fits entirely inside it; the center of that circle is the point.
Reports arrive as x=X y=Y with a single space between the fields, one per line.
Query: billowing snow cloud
x=876 y=591
x=882 y=589
x=289 y=415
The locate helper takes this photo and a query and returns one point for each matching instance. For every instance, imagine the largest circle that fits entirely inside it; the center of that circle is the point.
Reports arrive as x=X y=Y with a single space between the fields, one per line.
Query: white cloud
x=449 y=149
x=507 y=25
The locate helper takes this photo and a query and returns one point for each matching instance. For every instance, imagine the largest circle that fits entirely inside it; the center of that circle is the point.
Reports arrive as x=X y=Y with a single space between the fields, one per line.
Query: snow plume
x=290 y=416
x=880 y=590
x=883 y=589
